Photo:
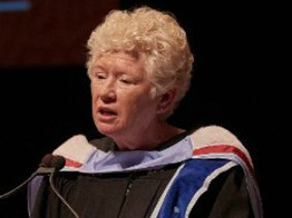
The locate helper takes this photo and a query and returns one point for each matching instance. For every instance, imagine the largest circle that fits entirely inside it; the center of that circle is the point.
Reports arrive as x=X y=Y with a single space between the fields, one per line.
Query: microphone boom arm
x=6 y=195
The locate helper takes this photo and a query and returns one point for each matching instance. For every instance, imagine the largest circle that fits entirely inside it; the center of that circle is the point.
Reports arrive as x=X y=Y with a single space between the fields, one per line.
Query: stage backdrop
x=47 y=32
x=45 y=96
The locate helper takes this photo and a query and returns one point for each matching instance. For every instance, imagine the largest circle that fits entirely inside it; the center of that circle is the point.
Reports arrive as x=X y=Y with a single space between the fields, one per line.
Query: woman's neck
x=148 y=139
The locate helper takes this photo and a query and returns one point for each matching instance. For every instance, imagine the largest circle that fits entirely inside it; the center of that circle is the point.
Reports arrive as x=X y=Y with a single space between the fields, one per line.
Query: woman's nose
x=108 y=91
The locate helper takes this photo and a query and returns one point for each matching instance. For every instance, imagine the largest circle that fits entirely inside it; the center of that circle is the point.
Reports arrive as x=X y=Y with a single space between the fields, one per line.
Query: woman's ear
x=167 y=100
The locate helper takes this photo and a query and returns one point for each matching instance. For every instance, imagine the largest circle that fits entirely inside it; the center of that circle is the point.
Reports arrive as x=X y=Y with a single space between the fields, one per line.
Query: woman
x=140 y=68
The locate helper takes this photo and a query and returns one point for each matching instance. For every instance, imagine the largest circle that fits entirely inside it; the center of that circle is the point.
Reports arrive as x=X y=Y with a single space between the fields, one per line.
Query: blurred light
x=13 y=6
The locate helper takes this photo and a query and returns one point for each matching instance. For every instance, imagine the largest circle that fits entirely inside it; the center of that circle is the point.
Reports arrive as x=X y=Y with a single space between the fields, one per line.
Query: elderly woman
x=140 y=67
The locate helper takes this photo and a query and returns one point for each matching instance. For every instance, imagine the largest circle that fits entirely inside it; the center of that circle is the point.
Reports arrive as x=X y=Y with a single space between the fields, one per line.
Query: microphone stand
x=6 y=195
x=39 y=171
x=50 y=165
x=51 y=179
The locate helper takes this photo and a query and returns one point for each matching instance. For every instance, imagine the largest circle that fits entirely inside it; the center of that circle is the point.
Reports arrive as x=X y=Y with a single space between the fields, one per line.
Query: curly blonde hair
x=155 y=34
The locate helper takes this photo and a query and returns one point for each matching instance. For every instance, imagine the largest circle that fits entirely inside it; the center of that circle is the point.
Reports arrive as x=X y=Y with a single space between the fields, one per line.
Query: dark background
x=237 y=83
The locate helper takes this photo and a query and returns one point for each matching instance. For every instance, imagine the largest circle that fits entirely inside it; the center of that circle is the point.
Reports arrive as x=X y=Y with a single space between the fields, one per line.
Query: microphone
x=58 y=163
x=49 y=164
x=52 y=164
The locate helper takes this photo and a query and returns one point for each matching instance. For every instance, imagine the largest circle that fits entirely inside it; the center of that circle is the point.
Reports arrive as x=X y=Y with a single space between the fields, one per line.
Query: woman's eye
x=126 y=81
x=99 y=76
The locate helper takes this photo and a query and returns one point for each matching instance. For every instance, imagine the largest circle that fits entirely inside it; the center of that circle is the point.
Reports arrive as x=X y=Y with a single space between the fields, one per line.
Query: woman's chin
x=107 y=129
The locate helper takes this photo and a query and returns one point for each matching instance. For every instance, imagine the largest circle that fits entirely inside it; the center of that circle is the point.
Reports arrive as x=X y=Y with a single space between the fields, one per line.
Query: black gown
x=135 y=194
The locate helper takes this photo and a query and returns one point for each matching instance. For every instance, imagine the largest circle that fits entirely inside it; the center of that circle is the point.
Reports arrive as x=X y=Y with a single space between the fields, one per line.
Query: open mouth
x=107 y=112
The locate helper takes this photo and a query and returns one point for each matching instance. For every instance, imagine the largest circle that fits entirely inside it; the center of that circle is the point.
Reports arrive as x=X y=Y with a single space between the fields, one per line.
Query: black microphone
x=49 y=164
x=52 y=164
x=59 y=163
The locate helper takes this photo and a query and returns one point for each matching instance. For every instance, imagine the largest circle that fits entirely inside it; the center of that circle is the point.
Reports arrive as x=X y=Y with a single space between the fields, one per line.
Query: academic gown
x=168 y=189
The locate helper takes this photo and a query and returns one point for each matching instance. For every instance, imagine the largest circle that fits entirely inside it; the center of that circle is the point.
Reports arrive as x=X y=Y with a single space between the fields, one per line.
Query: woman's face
x=121 y=99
